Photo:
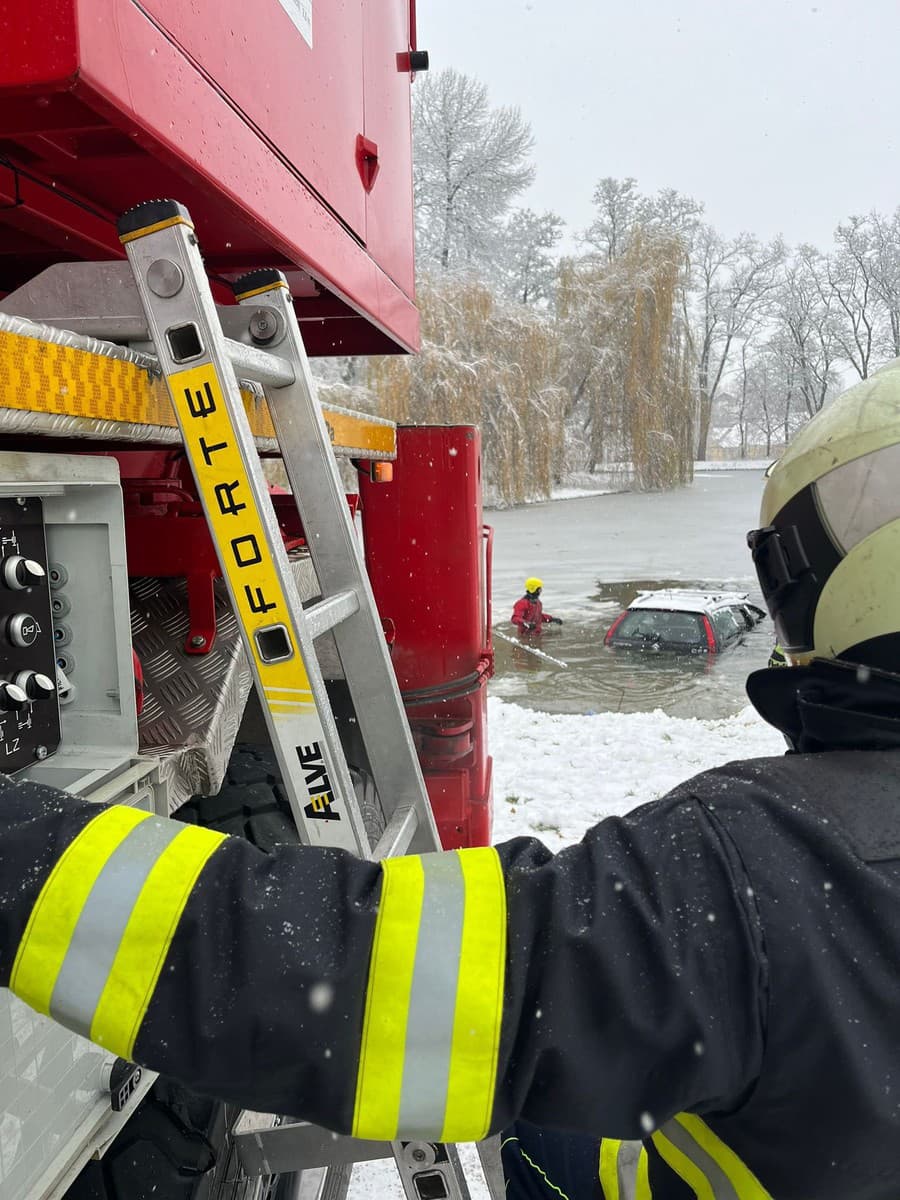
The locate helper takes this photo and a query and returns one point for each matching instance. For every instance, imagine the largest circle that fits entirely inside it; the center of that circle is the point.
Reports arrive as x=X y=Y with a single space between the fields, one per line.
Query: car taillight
x=710 y=635
x=615 y=625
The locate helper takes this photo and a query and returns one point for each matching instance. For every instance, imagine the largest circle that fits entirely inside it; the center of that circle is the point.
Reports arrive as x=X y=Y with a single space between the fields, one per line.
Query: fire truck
x=176 y=633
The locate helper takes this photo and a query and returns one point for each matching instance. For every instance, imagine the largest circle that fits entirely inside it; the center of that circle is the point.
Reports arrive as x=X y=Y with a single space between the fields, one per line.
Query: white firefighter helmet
x=828 y=552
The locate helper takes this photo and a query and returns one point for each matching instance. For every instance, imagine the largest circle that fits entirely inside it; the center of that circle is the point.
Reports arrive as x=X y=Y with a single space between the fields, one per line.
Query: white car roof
x=686 y=600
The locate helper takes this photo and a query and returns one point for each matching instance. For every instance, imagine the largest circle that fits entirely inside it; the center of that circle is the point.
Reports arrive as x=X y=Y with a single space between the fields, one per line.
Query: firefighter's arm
x=239 y=972
x=436 y=996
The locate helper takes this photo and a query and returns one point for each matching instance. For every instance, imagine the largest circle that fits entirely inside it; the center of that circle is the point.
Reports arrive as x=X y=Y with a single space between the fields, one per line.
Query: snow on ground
x=577 y=493
x=556 y=775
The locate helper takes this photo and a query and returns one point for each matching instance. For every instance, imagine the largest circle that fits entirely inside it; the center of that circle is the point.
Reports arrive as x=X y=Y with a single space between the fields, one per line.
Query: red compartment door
x=306 y=100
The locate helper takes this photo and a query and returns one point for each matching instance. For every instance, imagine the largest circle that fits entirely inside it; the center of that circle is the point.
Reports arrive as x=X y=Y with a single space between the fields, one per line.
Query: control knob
x=12 y=698
x=35 y=685
x=23 y=630
x=20 y=573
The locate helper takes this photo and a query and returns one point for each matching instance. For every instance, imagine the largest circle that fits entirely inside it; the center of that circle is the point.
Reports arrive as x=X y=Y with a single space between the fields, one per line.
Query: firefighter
x=528 y=612
x=778 y=658
x=710 y=983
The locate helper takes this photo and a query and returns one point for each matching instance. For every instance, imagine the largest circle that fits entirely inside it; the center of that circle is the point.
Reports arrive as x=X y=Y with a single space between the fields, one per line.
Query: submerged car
x=683 y=621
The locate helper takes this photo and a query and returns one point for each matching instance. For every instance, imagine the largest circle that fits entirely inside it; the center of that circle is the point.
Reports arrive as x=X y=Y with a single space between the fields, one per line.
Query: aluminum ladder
x=198 y=362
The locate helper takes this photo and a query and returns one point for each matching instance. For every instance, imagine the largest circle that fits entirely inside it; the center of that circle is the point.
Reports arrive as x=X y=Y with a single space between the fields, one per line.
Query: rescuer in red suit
x=528 y=613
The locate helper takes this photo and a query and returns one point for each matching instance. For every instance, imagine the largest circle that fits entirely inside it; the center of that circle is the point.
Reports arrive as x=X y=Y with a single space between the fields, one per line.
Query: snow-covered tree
x=625 y=363
x=886 y=273
x=731 y=280
x=857 y=306
x=470 y=162
x=487 y=362
x=526 y=265
x=804 y=332
x=621 y=208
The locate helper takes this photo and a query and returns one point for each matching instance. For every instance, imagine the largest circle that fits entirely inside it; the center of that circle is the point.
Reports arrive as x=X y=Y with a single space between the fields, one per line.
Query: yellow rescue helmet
x=533 y=585
x=828 y=552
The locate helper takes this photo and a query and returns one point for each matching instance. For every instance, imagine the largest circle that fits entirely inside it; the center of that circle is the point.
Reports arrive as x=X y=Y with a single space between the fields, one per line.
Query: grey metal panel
x=193 y=703
x=85 y=538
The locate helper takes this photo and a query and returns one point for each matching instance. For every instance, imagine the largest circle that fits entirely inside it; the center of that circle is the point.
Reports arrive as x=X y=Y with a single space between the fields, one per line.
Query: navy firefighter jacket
x=711 y=984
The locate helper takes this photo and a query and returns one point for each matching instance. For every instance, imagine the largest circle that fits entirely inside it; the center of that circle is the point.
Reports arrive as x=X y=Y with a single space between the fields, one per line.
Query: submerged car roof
x=686 y=600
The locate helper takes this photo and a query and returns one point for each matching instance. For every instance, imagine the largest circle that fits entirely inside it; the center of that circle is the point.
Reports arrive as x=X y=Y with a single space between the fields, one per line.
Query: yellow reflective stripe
x=147 y=938
x=738 y=1173
x=686 y=1170
x=269 y=287
x=42 y=377
x=125 y=238
x=53 y=919
x=642 y=1181
x=382 y=1052
x=479 y=999
x=609 y=1168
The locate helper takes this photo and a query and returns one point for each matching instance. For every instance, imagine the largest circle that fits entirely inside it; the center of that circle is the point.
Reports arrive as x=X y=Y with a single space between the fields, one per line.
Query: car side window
x=727 y=625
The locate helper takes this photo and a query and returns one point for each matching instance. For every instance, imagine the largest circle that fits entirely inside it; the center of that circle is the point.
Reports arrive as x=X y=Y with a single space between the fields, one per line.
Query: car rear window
x=658 y=625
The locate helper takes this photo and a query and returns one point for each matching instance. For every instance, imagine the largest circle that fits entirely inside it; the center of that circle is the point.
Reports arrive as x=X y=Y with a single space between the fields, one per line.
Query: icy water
x=594 y=554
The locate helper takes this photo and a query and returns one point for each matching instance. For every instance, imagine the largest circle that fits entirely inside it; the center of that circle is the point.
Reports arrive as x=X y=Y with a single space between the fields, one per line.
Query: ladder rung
x=398 y=833
x=327 y=613
x=258 y=366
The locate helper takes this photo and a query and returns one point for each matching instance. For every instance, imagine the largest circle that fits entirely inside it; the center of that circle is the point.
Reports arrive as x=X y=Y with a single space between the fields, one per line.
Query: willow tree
x=487 y=363
x=627 y=361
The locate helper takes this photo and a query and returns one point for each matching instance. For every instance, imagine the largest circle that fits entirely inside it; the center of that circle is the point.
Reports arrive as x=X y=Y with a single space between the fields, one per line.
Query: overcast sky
x=780 y=116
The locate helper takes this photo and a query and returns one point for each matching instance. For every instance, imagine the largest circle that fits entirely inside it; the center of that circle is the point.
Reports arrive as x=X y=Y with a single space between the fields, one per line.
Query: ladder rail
x=338 y=560
x=192 y=355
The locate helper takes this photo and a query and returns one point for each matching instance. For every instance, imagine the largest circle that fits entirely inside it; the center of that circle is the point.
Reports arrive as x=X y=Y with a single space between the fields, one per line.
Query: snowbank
x=555 y=775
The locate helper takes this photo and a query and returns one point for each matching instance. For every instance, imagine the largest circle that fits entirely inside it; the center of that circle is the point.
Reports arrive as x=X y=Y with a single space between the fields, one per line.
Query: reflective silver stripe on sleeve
x=432 y=1004
x=102 y=923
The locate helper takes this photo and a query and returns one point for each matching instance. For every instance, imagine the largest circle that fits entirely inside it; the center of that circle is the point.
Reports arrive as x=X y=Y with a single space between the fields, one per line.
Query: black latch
x=122 y=1079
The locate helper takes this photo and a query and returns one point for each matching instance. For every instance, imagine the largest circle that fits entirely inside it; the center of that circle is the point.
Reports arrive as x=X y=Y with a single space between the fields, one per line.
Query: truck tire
x=177 y=1145
x=252 y=802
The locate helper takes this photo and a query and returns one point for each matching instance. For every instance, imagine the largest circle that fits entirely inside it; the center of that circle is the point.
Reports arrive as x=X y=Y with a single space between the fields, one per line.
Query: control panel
x=29 y=706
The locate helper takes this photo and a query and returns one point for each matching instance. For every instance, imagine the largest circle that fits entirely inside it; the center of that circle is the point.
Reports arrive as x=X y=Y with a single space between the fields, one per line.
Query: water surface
x=594 y=555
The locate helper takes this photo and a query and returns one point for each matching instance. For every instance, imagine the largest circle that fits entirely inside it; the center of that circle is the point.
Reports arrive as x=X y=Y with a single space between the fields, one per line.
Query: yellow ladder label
x=239 y=532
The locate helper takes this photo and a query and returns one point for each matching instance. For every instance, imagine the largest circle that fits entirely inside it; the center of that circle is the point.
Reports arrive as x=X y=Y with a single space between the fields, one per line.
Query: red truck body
x=284 y=126
x=429 y=562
